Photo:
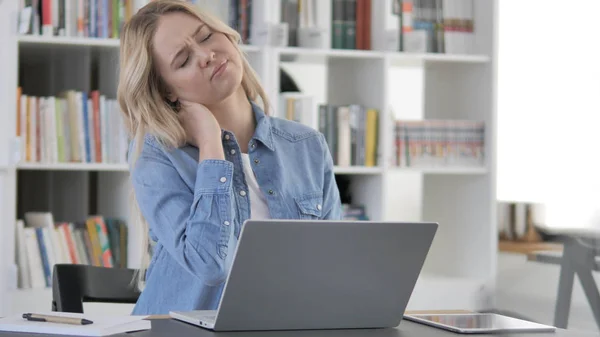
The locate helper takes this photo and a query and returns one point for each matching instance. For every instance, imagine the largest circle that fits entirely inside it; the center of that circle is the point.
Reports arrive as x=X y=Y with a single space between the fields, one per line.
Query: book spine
x=367 y=25
x=332 y=132
x=337 y=24
x=360 y=24
x=47 y=28
x=107 y=259
x=34 y=260
x=93 y=233
x=43 y=256
x=349 y=25
x=70 y=243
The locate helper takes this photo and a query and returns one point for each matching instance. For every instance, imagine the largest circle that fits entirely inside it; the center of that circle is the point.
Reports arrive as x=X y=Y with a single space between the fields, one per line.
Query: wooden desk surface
x=528 y=247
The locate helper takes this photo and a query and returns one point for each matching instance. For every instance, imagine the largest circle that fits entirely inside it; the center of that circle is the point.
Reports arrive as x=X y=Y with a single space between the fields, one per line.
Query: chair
x=73 y=284
x=578 y=227
x=580 y=257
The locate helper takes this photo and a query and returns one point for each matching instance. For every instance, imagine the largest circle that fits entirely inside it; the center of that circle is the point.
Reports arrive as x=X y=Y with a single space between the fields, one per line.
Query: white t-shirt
x=258 y=203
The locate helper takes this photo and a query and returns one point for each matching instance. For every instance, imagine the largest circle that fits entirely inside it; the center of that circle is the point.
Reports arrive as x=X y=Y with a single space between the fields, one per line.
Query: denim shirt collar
x=263 y=132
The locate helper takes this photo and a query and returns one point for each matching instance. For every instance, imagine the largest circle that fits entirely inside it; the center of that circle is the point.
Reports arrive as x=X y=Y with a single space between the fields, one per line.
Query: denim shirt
x=195 y=211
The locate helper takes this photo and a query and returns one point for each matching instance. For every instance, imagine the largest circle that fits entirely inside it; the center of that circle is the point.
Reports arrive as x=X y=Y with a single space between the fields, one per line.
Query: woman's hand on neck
x=235 y=114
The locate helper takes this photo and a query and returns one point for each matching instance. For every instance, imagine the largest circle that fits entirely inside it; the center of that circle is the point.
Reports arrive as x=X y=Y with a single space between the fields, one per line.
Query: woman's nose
x=205 y=56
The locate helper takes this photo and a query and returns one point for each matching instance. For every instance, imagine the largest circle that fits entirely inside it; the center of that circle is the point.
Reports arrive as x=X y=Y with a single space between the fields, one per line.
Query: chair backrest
x=73 y=284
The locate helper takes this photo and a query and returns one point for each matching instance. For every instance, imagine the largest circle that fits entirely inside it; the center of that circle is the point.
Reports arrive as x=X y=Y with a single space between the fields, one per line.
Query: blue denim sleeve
x=194 y=226
x=332 y=206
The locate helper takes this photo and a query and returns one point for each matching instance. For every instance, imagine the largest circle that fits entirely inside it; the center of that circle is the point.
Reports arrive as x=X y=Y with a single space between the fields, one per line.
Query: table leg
x=591 y=292
x=583 y=259
x=577 y=259
x=565 y=290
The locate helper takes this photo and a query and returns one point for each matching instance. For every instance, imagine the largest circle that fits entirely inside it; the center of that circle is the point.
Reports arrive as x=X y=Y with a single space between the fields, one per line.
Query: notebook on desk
x=101 y=326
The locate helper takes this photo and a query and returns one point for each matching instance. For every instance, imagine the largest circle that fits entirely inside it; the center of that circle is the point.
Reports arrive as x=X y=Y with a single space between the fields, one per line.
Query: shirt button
x=223 y=179
x=243 y=193
x=319 y=207
x=226 y=223
x=256 y=161
x=227 y=137
x=271 y=192
x=232 y=151
x=253 y=145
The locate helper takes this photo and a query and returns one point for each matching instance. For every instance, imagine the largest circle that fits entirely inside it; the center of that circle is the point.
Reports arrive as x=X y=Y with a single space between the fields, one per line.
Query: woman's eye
x=186 y=61
x=207 y=37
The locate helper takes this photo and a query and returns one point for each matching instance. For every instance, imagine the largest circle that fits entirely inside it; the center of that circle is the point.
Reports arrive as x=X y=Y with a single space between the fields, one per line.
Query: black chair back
x=74 y=284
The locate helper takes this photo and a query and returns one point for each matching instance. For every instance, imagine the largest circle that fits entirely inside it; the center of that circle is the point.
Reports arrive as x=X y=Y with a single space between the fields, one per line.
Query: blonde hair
x=141 y=92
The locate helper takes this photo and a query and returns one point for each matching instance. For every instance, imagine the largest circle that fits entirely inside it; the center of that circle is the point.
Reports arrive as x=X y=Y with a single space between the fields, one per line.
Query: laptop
x=313 y=274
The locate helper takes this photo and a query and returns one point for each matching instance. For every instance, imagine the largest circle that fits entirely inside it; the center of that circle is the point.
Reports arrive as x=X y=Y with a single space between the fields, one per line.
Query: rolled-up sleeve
x=194 y=226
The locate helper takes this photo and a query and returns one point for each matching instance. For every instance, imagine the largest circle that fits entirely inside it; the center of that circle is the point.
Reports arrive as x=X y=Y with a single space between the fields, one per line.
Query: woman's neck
x=235 y=114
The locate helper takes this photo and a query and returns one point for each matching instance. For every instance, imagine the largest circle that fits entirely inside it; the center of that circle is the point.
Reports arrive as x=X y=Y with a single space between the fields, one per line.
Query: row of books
x=77 y=18
x=351 y=131
x=425 y=26
x=73 y=127
x=354 y=212
x=439 y=143
x=436 y=26
x=240 y=18
x=104 y=18
x=351 y=24
x=350 y=21
x=41 y=243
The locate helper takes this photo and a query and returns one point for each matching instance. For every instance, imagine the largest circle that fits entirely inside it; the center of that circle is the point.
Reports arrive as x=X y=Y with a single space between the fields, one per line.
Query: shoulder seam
x=294 y=137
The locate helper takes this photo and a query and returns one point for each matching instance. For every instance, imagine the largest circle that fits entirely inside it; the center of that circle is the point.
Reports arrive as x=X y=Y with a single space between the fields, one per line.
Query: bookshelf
x=73 y=167
x=401 y=86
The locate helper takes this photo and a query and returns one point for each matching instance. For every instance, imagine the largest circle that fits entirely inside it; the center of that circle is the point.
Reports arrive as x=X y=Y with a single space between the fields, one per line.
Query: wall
x=548 y=101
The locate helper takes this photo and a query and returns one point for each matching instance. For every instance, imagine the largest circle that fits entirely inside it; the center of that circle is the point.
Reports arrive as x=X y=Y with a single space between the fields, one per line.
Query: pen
x=56 y=319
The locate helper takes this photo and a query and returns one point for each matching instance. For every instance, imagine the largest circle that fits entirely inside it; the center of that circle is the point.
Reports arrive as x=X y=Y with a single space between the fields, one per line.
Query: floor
x=529 y=289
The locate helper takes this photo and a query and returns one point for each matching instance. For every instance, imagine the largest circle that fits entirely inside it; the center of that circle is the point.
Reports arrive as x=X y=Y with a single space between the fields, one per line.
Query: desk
x=528 y=247
x=170 y=328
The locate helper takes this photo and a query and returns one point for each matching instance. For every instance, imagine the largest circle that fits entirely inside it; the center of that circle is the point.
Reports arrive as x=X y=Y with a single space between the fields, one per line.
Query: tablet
x=478 y=323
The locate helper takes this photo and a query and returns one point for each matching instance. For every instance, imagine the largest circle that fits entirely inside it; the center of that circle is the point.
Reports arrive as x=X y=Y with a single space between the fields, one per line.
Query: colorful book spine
x=107 y=259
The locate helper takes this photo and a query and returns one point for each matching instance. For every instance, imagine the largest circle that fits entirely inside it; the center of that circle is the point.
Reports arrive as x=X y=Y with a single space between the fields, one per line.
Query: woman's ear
x=174 y=104
x=171 y=97
x=172 y=100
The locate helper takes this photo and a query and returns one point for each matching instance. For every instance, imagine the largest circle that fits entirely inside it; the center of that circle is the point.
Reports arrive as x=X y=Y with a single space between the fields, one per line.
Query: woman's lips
x=219 y=69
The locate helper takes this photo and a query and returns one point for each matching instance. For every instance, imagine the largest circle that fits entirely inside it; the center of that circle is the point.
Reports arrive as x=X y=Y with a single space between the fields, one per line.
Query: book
x=439 y=143
x=101 y=326
x=41 y=242
x=74 y=126
x=351 y=132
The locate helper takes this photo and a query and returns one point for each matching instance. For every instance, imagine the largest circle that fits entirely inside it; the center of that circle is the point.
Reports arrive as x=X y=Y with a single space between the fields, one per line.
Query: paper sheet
x=102 y=326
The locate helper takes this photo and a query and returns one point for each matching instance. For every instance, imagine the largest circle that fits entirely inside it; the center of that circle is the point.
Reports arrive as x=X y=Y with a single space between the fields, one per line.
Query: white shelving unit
x=460 y=270
x=73 y=167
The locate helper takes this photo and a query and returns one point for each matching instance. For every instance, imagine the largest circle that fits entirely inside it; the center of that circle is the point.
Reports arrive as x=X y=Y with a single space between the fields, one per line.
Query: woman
x=205 y=156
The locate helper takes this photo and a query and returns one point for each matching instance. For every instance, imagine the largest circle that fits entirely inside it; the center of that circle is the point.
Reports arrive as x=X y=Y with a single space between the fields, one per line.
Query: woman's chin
x=220 y=95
